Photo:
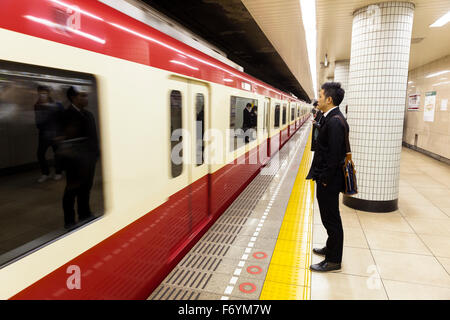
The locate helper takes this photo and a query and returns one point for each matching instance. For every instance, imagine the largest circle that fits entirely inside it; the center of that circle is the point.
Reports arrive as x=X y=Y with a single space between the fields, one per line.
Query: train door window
x=243 y=121
x=277 y=116
x=284 y=114
x=292 y=113
x=265 y=115
x=298 y=112
x=176 y=139
x=199 y=127
x=50 y=152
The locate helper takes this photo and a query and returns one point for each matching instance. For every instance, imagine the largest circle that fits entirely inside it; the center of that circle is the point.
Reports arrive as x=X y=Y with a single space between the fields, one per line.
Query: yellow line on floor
x=288 y=277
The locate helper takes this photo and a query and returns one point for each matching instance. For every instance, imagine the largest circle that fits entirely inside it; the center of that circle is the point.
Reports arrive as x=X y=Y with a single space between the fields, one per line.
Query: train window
x=243 y=121
x=277 y=116
x=176 y=138
x=50 y=152
x=264 y=115
x=199 y=127
x=284 y=114
x=298 y=112
x=292 y=113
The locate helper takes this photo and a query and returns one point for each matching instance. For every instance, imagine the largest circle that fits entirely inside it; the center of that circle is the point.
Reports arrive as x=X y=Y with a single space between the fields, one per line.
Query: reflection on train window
x=199 y=127
x=50 y=153
x=277 y=116
x=284 y=114
x=176 y=138
x=243 y=121
x=292 y=114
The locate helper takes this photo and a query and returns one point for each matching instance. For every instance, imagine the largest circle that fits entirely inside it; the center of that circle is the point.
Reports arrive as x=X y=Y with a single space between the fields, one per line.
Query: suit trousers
x=328 y=199
x=43 y=145
x=80 y=178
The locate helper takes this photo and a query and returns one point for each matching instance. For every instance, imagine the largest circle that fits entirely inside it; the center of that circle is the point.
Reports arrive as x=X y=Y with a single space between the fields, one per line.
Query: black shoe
x=320 y=252
x=325 y=266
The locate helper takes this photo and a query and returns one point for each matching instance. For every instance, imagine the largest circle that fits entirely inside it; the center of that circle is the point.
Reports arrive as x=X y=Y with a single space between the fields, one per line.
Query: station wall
x=427 y=108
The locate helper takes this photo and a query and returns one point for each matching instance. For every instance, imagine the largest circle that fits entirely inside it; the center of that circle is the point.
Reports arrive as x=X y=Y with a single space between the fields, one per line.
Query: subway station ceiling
x=233 y=26
x=334 y=29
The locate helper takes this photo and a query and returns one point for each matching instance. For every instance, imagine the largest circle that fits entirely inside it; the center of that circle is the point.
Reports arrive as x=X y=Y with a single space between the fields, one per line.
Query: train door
x=188 y=186
x=198 y=117
x=177 y=209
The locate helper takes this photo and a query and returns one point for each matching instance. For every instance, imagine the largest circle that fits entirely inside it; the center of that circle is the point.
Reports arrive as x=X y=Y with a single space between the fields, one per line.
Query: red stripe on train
x=105 y=30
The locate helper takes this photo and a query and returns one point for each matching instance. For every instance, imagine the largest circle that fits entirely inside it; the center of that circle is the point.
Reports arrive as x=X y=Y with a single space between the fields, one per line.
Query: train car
x=172 y=152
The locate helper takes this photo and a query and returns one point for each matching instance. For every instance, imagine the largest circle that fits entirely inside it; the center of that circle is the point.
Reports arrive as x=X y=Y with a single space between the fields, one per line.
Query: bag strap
x=347 y=141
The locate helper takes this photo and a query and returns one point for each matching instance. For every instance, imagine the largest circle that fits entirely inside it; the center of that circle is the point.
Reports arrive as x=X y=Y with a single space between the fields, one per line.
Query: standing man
x=247 y=120
x=80 y=153
x=48 y=121
x=328 y=173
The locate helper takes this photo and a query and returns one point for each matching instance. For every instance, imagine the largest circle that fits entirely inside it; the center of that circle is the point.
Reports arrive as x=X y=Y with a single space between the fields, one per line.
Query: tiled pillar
x=381 y=38
x=341 y=75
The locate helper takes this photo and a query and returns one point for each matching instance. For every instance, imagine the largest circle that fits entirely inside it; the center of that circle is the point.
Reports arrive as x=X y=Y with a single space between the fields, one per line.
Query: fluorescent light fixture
x=441 y=21
x=308 y=8
x=409 y=82
x=51 y=24
x=440 y=83
x=228 y=80
x=431 y=75
x=183 y=64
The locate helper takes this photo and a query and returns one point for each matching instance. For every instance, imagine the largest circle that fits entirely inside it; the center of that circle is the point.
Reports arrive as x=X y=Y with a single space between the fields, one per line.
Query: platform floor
x=399 y=255
x=260 y=248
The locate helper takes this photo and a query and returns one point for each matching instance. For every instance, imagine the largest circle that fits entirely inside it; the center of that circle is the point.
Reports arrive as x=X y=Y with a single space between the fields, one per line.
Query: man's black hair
x=71 y=93
x=334 y=90
x=249 y=105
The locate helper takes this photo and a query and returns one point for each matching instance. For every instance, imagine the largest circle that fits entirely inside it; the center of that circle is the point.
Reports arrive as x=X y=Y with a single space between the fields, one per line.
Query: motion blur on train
x=120 y=146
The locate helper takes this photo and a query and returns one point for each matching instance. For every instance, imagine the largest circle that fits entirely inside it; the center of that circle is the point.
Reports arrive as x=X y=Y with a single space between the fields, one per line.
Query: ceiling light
x=440 y=83
x=431 y=75
x=441 y=21
x=308 y=8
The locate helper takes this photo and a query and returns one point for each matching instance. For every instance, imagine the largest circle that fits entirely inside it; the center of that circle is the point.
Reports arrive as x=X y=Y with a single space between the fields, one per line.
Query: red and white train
x=146 y=84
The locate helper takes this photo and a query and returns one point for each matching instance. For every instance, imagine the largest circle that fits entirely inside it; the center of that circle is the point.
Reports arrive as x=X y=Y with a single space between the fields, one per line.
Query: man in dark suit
x=327 y=172
x=80 y=152
x=247 y=121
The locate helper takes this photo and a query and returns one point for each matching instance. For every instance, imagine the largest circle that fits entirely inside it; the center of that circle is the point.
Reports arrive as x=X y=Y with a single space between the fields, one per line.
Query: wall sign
x=429 y=106
x=444 y=103
x=413 y=102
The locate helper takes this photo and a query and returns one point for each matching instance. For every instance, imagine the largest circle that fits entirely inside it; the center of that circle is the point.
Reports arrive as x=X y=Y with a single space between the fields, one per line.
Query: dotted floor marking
x=288 y=277
x=285 y=165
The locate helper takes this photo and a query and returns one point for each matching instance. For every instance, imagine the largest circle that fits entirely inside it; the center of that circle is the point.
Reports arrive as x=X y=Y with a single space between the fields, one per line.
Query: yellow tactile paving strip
x=288 y=277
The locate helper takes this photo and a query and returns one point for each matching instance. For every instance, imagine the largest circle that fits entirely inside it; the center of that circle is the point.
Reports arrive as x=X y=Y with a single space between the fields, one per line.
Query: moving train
x=174 y=152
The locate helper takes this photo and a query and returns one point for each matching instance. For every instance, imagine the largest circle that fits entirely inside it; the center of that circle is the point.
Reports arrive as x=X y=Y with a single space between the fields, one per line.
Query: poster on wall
x=444 y=103
x=413 y=102
x=429 y=106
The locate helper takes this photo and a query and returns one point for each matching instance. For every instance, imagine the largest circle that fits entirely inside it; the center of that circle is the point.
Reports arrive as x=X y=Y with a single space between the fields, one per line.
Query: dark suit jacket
x=81 y=125
x=315 y=130
x=330 y=151
x=247 y=123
